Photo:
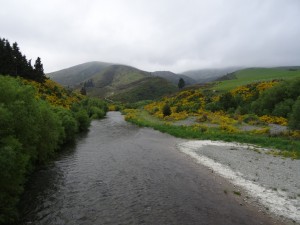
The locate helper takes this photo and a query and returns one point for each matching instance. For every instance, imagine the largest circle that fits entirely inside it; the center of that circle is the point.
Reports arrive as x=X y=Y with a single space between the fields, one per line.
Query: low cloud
x=172 y=35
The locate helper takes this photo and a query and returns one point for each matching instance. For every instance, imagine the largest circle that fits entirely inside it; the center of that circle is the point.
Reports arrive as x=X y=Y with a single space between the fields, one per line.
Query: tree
x=83 y=91
x=294 y=122
x=167 y=110
x=39 y=70
x=227 y=101
x=13 y=63
x=181 y=83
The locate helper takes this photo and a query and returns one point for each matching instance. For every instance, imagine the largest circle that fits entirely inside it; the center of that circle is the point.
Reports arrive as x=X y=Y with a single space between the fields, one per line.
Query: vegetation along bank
x=37 y=117
x=265 y=113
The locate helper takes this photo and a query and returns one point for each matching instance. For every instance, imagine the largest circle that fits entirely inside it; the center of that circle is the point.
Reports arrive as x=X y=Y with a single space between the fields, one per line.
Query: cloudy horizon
x=176 y=35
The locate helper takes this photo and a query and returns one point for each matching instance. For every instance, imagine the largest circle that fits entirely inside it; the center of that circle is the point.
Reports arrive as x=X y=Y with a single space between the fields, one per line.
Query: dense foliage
x=267 y=102
x=35 y=120
x=14 y=63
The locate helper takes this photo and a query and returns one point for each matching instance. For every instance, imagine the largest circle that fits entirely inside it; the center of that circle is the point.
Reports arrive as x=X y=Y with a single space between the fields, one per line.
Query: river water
x=119 y=173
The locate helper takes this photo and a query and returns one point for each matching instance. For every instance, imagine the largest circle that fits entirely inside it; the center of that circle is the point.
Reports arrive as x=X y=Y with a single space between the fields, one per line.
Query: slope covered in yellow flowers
x=54 y=93
x=263 y=113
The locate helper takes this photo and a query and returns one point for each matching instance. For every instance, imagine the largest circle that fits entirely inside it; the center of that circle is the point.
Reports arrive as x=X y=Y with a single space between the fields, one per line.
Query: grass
x=237 y=193
x=287 y=147
x=248 y=76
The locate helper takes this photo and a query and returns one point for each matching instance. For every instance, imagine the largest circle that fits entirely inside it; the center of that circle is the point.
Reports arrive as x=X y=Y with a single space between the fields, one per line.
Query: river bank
x=272 y=182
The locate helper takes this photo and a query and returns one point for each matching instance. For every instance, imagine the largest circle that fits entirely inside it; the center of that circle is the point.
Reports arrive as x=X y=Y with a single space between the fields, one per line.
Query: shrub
x=273 y=119
x=228 y=128
x=166 y=110
x=252 y=119
x=13 y=165
x=265 y=130
x=83 y=120
x=50 y=133
x=69 y=124
x=294 y=122
x=283 y=108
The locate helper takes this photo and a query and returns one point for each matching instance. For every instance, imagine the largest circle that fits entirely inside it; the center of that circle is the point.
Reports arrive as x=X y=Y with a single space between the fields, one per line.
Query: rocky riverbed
x=272 y=182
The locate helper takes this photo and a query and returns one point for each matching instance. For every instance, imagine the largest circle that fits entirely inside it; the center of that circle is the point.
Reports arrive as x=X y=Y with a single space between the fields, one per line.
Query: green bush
x=278 y=100
x=31 y=131
x=13 y=163
x=294 y=122
x=283 y=108
x=166 y=110
x=69 y=124
x=95 y=108
x=50 y=133
x=83 y=120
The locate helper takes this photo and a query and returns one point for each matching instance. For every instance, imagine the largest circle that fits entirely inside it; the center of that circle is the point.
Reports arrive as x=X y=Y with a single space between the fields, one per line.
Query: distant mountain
x=76 y=74
x=116 y=82
x=112 y=79
x=127 y=84
x=174 y=78
x=207 y=75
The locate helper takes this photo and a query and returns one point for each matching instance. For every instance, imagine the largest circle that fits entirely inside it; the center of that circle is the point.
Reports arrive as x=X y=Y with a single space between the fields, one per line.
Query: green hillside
x=118 y=75
x=174 y=78
x=149 y=88
x=76 y=74
x=250 y=75
x=208 y=75
x=126 y=84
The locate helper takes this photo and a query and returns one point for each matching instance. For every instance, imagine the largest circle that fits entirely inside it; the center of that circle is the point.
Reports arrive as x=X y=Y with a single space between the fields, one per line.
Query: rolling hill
x=118 y=82
x=174 y=78
x=208 y=75
x=122 y=83
x=76 y=74
x=250 y=75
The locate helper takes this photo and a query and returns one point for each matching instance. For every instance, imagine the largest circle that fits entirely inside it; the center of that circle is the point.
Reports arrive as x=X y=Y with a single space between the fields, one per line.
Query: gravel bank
x=273 y=181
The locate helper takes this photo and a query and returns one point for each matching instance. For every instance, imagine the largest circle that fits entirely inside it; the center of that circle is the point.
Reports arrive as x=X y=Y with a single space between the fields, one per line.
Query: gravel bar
x=272 y=181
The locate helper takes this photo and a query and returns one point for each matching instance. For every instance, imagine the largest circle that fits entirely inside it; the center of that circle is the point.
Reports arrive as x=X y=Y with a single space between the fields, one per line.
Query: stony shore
x=272 y=182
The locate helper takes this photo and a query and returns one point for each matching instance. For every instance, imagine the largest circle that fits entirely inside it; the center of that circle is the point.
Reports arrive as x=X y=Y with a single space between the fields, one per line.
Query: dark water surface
x=122 y=174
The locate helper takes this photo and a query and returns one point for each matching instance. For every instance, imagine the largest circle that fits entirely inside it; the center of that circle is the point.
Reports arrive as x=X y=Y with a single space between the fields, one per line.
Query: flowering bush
x=130 y=114
x=262 y=86
x=243 y=91
x=295 y=134
x=55 y=94
x=228 y=128
x=274 y=119
x=199 y=127
x=177 y=116
x=265 y=130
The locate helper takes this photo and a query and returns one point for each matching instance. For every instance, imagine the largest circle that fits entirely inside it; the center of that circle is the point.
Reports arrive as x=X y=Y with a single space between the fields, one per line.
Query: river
x=119 y=173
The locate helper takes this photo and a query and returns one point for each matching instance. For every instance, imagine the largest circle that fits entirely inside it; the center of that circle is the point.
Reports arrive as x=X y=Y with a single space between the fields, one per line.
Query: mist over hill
x=76 y=74
x=207 y=75
x=174 y=78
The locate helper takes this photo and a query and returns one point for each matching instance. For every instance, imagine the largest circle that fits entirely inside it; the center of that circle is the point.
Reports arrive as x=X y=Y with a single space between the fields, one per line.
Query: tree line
x=14 y=63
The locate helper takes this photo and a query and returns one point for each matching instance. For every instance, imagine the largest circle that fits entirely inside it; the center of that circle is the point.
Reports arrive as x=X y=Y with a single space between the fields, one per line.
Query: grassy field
x=248 y=76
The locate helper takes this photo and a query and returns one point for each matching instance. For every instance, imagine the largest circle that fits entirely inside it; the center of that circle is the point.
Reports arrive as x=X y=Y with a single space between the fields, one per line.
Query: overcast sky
x=175 y=35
